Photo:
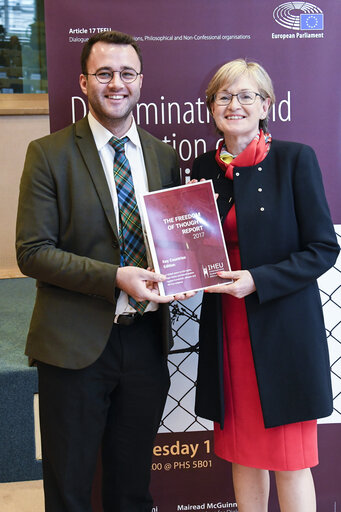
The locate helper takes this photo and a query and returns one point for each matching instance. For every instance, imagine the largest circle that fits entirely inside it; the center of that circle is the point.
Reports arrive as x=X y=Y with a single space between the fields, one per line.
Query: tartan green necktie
x=133 y=251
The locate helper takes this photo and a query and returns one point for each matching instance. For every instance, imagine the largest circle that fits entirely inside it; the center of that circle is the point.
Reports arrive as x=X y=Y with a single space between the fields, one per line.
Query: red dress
x=244 y=439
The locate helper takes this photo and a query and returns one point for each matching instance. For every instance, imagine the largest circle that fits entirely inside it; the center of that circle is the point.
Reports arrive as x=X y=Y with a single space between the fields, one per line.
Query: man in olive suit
x=102 y=369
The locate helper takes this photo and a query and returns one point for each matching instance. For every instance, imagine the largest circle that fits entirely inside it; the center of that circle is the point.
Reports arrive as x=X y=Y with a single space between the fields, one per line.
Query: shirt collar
x=102 y=135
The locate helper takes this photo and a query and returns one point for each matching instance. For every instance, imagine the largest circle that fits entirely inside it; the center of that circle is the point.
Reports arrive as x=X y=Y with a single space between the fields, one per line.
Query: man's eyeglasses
x=126 y=75
x=244 y=98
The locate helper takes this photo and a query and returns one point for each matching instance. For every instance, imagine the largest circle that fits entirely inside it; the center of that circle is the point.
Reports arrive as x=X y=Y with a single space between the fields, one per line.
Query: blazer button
x=260 y=189
x=260 y=168
x=262 y=208
x=115 y=244
x=237 y=173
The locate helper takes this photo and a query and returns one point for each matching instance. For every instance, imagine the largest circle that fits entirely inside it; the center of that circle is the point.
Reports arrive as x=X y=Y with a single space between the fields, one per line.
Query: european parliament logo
x=299 y=16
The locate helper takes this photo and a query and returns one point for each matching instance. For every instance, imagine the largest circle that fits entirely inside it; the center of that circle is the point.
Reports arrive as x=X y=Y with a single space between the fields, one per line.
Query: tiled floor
x=22 y=497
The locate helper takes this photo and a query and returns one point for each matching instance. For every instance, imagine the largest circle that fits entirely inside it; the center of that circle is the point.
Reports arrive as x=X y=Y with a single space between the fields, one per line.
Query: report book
x=185 y=237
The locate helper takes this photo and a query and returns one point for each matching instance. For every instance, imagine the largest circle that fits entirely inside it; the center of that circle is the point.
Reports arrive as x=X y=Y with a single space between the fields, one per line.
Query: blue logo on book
x=311 y=21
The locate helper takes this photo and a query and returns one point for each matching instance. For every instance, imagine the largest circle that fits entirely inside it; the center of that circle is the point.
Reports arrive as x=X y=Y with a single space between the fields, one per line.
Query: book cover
x=185 y=237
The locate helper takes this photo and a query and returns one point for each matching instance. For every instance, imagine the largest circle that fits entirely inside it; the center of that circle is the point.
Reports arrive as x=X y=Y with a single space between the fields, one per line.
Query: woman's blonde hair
x=234 y=69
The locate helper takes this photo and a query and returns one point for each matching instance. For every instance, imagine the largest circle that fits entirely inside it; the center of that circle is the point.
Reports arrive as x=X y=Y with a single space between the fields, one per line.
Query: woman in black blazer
x=264 y=375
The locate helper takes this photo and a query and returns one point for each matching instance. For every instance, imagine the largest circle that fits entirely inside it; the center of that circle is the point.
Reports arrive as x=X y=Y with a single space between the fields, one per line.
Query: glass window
x=22 y=47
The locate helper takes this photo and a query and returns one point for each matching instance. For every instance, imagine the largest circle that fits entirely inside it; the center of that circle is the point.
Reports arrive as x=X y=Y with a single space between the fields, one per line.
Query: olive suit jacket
x=67 y=240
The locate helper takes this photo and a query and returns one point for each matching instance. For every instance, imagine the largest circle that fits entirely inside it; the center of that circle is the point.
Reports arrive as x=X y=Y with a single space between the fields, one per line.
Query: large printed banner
x=183 y=43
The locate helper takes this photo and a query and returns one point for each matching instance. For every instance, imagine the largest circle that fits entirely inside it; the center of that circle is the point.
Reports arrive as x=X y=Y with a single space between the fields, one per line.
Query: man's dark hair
x=110 y=37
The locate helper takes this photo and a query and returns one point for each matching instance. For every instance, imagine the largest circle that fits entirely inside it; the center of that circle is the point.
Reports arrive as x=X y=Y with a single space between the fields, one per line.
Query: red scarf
x=254 y=153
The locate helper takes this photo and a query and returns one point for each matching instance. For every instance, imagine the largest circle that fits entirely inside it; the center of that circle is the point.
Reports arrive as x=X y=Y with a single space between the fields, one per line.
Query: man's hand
x=183 y=296
x=141 y=284
x=191 y=182
x=243 y=284
x=179 y=296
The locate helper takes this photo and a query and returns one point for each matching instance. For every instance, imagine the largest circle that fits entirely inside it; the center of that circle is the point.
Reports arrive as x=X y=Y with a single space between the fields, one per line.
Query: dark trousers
x=116 y=404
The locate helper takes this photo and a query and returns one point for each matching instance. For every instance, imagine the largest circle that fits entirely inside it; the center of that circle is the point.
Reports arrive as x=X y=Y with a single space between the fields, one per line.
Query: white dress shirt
x=134 y=154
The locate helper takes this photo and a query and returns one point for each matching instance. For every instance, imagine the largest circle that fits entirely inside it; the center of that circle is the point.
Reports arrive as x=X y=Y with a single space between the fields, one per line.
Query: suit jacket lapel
x=150 y=160
x=87 y=147
x=88 y=150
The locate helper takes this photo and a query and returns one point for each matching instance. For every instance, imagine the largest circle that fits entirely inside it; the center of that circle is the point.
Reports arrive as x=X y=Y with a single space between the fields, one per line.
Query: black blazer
x=287 y=240
x=67 y=239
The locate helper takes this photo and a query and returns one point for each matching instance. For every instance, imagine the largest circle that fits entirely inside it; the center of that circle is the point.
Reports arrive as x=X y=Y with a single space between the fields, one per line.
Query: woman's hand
x=243 y=284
